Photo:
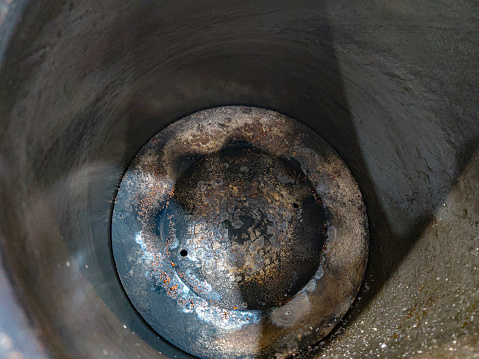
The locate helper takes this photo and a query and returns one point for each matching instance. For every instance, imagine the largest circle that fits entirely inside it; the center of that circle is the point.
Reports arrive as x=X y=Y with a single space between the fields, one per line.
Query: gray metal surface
x=237 y=232
x=392 y=86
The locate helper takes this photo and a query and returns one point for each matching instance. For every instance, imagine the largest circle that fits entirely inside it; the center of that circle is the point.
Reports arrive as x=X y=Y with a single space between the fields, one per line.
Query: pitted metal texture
x=238 y=232
x=250 y=225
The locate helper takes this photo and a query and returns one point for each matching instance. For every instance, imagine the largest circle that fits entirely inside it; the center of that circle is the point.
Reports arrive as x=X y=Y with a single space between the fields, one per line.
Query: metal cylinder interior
x=391 y=86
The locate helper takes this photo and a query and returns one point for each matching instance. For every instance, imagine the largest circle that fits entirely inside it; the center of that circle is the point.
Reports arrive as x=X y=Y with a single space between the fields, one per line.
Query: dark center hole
x=184 y=252
x=295 y=205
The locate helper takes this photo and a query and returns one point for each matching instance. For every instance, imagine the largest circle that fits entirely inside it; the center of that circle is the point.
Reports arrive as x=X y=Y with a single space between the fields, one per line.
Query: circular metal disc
x=240 y=233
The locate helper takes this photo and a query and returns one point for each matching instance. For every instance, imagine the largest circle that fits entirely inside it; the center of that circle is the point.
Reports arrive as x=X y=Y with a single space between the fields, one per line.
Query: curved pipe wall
x=391 y=86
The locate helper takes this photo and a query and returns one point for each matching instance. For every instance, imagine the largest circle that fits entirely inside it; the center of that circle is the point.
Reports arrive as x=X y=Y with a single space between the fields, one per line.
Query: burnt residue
x=272 y=247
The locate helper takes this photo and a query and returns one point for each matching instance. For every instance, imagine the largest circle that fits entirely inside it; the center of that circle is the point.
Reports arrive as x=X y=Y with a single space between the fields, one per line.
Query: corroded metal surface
x=252 y=228
x=238 y=232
